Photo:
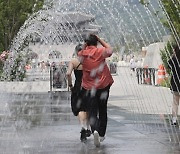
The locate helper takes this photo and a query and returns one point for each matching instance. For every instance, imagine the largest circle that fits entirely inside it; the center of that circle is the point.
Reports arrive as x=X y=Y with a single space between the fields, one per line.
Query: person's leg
x=87 y=122
x=175 y=107
x=103 y=96
x=93 y=119
x=101 y=122
x=93 y=111
x=82 y=116
x=83 y=119
x=88 y=131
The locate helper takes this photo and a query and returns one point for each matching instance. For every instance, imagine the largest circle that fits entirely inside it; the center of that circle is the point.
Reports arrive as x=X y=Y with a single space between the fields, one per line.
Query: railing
x=113 y=68
x=146 y=75
x=58 y=78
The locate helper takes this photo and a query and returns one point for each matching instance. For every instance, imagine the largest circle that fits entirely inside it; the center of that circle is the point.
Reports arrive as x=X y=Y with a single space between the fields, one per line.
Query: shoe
x=102 y=138
x=96 y=139
x=174 y=123
x=83 y=135
x=88 y=133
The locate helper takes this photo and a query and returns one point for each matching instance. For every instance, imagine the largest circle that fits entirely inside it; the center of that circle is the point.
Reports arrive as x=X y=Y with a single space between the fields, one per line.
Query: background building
x=58 y=42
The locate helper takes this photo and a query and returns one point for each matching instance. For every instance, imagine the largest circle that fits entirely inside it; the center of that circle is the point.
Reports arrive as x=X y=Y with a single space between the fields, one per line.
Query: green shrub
x=166 y=83
x=18 y=72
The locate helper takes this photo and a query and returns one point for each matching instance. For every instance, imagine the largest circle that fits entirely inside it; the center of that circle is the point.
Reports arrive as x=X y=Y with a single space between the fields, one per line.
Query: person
x=43 y=68
x=96 y=83
x=174 y=65
x=77 y=107
x=132 y=64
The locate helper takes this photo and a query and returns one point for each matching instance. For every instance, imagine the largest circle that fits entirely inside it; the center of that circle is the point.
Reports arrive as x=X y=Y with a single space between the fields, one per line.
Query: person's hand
x=96 y=36
x=84 y=46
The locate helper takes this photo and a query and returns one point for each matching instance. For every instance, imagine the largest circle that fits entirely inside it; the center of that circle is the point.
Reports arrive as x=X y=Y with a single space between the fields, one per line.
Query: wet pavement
x=42 y=123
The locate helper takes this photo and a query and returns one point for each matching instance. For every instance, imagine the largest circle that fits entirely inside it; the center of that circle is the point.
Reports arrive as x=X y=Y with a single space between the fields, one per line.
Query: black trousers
x=96 y=106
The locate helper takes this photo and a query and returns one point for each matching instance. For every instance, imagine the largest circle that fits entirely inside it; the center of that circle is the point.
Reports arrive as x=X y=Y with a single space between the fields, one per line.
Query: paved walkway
x=138 y=122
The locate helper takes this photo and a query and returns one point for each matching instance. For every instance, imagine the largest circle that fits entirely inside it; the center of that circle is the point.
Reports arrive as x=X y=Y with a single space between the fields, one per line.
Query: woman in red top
x=96 y=82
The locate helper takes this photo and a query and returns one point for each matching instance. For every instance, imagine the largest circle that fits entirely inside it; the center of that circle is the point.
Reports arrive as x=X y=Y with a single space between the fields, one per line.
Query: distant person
x=48 y=66
x=132 y=65
x=43 y=68
x=174 y=65
x=33 y=63
x=96 y=83
x=78 y=108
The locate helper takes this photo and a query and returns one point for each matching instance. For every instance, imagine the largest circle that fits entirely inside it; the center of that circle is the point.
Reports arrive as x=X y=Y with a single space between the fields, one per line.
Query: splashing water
x=126 y=25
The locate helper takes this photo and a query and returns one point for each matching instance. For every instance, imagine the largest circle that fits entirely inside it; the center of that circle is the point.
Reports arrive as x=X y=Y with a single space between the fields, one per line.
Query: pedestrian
x=43 y=68
x=174 y=65
x=96 y=83
x=132 y=65
x=77 y=107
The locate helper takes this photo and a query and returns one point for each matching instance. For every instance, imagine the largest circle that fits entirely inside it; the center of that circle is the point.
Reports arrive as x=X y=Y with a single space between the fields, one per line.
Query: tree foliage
x=18 y=71
x=13 y=14
x=172 y=11
x=166 y=54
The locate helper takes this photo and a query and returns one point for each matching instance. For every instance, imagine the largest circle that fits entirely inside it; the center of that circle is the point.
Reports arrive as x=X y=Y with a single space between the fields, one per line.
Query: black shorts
x=91 y=99
x=77 y=104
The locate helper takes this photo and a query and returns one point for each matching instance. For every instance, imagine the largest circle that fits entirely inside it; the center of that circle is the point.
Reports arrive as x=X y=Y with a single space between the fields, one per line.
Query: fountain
x=30 y=109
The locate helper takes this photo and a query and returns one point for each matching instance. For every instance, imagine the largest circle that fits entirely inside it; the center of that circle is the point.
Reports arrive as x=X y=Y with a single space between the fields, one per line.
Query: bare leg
x=85 y=131
x=175 y=106
x=82 y=116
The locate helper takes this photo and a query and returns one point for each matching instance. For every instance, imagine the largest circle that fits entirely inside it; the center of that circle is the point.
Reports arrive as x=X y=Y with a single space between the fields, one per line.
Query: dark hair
x=91 y=39
x=78 y=48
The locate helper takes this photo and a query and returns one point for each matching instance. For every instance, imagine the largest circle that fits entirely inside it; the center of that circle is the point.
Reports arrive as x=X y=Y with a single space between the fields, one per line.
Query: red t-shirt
x=96 y=73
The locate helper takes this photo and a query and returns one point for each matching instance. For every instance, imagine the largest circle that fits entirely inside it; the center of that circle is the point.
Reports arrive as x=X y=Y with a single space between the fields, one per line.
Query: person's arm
x=108 y=50
x=68 y=74
x=84 y=46
x=103 y=43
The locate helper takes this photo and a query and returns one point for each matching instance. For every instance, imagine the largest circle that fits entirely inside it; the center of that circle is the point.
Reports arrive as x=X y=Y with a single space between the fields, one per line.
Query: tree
x=13 y=14
x=171 y=9
x=166 y=54
x=18 y=71
x=172 y=22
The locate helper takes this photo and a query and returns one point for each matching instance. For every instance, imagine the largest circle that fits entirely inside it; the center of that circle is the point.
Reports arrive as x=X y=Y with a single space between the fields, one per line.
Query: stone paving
x=38 y=122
